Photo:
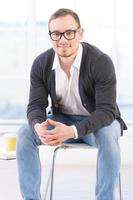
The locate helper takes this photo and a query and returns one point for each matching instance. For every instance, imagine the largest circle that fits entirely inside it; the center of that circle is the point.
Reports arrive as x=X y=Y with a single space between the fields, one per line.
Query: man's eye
x=68 y=33
x=56 y=34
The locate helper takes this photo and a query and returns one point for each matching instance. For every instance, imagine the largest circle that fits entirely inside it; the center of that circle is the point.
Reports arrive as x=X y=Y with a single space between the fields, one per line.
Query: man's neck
x=66 y=63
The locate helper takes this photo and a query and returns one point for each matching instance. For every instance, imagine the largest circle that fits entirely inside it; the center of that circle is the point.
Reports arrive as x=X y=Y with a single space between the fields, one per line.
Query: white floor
x=71 y=182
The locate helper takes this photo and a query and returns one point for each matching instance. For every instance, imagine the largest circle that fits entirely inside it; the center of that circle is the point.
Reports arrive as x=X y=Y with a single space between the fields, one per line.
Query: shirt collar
x=77 y=61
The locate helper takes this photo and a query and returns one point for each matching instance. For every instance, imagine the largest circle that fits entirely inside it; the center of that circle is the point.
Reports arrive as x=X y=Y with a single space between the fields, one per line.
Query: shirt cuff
x=75 y=132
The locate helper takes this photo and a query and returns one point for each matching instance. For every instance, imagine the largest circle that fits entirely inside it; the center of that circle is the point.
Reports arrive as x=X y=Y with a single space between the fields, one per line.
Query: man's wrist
x=36 y=128
x=36 y=125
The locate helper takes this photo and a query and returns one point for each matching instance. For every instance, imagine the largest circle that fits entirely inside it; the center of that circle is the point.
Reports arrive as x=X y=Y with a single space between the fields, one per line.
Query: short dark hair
x=63 y=12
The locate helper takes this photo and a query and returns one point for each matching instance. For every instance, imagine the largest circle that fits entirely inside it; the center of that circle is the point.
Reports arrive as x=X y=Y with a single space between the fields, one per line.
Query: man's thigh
x=112 y=131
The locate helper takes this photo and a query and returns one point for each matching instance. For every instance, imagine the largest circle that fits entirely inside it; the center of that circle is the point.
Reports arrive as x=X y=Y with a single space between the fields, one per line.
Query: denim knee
x=109 y=134
x=26 y=136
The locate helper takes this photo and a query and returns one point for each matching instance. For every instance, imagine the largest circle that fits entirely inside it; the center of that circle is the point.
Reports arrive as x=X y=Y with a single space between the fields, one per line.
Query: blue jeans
x=108 y=159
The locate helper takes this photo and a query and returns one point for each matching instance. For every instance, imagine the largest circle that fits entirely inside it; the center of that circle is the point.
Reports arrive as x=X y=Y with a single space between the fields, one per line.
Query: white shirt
x=67 y=89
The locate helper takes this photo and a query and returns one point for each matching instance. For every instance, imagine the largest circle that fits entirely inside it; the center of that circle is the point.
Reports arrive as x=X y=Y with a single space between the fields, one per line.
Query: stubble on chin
x=64 y=53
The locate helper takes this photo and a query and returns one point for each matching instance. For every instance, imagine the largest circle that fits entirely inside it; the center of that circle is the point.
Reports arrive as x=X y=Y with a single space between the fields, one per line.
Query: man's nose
x=62 y=38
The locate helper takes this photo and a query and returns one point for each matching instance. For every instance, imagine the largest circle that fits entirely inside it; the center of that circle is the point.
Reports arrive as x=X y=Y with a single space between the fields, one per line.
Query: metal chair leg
x=47 y=185
x=120 y=189
x=52 y=171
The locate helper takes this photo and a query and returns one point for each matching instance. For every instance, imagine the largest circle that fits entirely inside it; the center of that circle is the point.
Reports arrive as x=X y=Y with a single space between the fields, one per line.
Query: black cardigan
x=97 y=89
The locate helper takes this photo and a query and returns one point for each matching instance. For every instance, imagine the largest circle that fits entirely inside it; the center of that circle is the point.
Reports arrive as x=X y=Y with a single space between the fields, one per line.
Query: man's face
x=64 y=47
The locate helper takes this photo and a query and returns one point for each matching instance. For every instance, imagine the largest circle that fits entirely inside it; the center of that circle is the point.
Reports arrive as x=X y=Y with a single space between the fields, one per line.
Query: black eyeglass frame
x=63 y=34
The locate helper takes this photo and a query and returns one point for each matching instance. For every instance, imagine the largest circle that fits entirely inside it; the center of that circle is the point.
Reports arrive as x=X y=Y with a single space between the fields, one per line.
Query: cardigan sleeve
x=105 y=97
x=38 y=96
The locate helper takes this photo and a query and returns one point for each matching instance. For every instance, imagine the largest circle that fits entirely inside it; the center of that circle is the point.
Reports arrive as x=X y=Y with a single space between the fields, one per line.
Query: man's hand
x=40 y=130
x=58 y=134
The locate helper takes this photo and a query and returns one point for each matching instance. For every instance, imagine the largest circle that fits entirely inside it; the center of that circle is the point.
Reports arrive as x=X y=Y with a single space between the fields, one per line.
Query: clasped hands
x=57 y=135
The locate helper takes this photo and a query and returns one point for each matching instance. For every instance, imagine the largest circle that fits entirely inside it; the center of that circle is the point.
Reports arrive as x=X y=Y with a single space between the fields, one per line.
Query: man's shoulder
x=95 y=57
x=44 y=61
x=91 y=50
x=44 y=56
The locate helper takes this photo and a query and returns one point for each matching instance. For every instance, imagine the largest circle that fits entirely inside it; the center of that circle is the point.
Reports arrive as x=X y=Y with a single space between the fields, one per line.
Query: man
x=81 y=82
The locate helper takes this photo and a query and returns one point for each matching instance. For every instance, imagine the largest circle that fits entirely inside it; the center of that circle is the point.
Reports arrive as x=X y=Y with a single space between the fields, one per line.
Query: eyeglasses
x=68 y=34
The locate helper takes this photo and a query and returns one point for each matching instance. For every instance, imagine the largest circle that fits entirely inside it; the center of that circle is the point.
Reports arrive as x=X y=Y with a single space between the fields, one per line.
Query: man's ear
x=81 y=33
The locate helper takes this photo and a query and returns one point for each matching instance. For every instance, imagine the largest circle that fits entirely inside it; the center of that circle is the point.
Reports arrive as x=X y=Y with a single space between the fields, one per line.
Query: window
x=24 y=35
x=13 y=79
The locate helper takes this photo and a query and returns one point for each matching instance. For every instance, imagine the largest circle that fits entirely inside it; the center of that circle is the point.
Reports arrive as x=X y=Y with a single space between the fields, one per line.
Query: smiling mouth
x=63 y=46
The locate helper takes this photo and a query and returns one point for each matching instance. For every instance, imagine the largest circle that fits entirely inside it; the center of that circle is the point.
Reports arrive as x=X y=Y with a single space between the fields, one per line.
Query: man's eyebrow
x=70 y=29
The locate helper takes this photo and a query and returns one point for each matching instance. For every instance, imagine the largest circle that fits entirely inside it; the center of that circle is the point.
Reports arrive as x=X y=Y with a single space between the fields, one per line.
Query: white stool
x=69 y=146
